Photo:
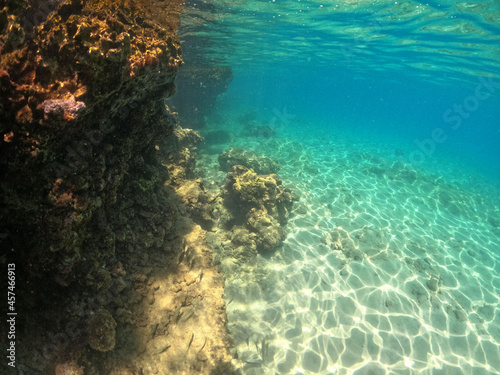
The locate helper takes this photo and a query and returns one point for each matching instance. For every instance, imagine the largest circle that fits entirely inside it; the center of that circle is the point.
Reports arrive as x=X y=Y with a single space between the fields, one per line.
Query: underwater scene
x=250 y=187
x=383 y=117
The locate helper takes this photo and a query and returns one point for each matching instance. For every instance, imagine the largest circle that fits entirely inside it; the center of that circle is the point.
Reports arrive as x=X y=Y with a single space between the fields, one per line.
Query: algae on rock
x=101 y=331
x=255 y=207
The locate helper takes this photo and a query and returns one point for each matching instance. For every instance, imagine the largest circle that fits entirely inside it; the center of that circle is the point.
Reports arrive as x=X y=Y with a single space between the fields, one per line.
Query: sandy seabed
x=385 y=270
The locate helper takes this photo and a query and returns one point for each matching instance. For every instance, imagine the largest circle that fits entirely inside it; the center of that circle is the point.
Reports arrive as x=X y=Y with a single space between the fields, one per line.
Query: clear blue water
x=388 y=70
x=351 y=88
x=380 y=110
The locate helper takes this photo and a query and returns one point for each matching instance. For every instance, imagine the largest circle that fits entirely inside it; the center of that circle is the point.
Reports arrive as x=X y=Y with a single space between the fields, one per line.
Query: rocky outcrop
x=249 y=159
x=180 y=154
x=254 y=209
x=76 y=100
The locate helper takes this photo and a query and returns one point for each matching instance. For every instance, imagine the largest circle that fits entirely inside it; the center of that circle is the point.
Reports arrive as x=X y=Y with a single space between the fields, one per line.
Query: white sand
x=385 y=270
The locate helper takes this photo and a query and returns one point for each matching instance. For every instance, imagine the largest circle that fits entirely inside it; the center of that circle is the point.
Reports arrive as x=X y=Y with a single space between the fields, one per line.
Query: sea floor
x=386 y=269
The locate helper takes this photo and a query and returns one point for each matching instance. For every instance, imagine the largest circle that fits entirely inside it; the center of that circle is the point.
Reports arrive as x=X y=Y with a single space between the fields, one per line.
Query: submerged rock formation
x=84 y=211
x=253 y=208
x=180 y=154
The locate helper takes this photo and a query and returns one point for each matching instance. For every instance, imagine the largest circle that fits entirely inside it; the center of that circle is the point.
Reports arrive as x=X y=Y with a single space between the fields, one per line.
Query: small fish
x=201 y=275
x=265 y=349
x=189 y=316
x=178 y=313
x=190 y=342
x=162 y=349
x=189 y=255
x=154 y=329
x=203 y=345
x=254 y=362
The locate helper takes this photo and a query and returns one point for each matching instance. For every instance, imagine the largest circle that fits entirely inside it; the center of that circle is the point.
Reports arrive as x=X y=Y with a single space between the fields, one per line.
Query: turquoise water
x=393 y=71
x=385 y=119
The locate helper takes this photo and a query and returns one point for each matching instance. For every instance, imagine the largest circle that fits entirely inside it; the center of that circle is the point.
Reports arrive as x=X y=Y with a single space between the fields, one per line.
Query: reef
x=253 y=210
x=92 y=211
x=249 y=159
x=181 y=157
x=180 y=154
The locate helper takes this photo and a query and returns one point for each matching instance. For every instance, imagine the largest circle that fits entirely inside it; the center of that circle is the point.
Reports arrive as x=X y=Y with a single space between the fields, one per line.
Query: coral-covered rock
x=179 y=151
x=249 y=159
x=255 y=207
x=197 y=201
x=66 y=108
x=75 y=104
x=268 y=229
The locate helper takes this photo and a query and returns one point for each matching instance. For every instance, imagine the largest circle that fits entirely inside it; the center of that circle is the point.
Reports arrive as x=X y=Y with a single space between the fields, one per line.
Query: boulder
x=255 y=208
